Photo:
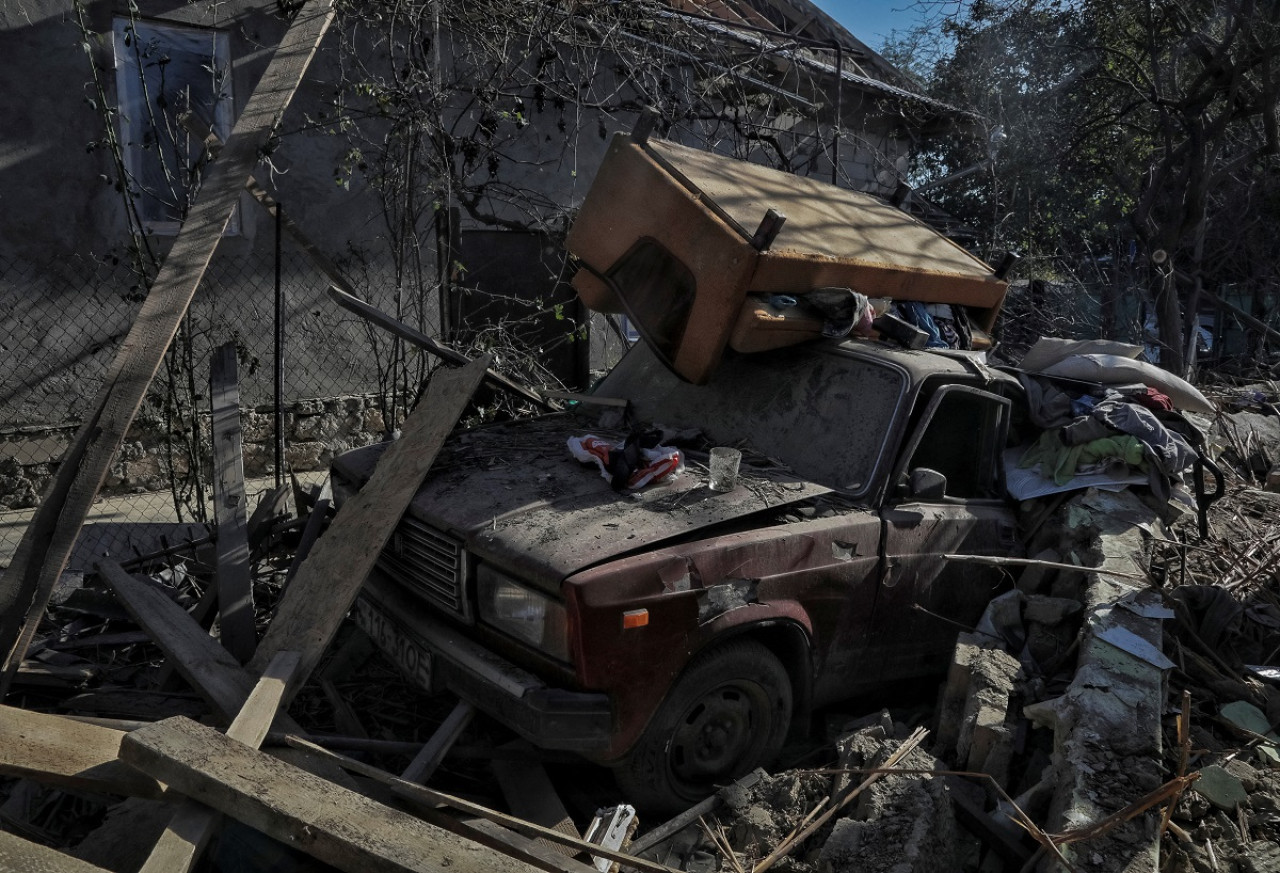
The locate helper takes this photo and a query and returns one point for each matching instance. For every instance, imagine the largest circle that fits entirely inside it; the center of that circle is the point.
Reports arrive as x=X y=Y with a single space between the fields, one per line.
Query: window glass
x=958 y=443
x=163 y=72
x=657 y=291
x=826 y=415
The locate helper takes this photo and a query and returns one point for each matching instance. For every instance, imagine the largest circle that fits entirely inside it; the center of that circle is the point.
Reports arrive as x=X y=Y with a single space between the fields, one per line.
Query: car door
x=923 y=599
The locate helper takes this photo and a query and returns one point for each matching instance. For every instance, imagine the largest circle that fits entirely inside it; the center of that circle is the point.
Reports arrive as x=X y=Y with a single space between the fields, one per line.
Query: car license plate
x=411 y=658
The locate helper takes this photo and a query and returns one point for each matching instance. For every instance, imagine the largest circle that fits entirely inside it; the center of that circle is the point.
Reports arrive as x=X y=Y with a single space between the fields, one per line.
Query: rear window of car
x=826 y=415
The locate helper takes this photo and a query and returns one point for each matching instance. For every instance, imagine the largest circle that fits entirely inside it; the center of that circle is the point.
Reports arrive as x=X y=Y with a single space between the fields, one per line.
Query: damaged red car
x=677 y=633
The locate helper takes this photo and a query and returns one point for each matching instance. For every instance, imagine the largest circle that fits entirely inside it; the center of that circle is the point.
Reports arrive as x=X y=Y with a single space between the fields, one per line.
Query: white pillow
x=1049 y=350
x=1113 y=370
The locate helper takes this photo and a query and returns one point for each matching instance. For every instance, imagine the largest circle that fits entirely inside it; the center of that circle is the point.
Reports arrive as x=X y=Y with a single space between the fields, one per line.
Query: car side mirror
x=928 y=484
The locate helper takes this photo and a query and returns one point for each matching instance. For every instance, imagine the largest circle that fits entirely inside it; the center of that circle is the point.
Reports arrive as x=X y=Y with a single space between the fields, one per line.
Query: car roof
x=922 y=364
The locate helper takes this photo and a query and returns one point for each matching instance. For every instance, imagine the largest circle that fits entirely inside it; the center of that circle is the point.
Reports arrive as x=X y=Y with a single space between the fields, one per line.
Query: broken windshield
x=825 y=414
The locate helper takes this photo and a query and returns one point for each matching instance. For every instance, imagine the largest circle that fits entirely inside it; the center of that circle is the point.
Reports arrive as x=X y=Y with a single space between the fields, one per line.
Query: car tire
x=726 y=715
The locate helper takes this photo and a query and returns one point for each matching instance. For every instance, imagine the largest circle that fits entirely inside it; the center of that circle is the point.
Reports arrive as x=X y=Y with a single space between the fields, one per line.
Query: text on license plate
x=410 y=657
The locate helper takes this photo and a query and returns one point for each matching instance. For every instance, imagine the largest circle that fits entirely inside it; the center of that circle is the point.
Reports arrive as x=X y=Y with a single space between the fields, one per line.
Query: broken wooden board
x=547 y=858
x=425 y=800
x=23 y=856
x=319 y=597
x=48 y=540
x=68 y=754
x=193 y=823
x=530 y=795
x=124 y=704
x=333 y=824
x=311 y=533
x=211 y=669
x=231 y=576
x=424 y=763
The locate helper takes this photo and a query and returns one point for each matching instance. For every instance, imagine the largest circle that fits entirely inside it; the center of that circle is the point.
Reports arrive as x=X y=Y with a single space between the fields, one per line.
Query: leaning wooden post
x=235 y=587
x=47 y=543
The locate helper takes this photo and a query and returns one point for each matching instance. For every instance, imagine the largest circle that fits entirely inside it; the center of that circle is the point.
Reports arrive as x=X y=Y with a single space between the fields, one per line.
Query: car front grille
x=429 y=563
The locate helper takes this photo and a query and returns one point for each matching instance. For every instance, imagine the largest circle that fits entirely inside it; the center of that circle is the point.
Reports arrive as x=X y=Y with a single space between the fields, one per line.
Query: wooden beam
x=548 y=859
x=530 y=795
x=193 y=823
x=208 y=667
x=232 y=579
x=66 y=753
x=319 y=597
x=424 y=763
x=23 y=856
x=425 y=800
x=328 y=822
x=311 y=533
x=41 y=555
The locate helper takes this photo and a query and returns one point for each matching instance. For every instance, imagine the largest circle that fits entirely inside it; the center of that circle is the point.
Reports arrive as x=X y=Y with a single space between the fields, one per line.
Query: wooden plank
x=67 y=753
x=23 y=856
x=48 y=540
x=424 y=763
x=328 y=822
x=216 y=675
x=254 y=719
x=531 y=796
x=211 y=669
x=129 y=703
x=425 y=800
x=319 y=597
x=194 y=824
x=311 y=533
x=235 y=588
x=273 y=507
x=547 y=859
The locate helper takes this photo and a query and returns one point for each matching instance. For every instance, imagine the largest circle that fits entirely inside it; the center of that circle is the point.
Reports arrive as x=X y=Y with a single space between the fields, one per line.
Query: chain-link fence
x=61 y=327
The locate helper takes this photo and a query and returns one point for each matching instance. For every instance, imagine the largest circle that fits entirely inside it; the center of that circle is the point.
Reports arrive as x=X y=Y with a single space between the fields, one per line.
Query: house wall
x=67 y=292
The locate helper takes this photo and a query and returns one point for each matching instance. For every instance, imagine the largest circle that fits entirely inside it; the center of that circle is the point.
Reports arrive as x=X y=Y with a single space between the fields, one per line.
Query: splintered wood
x=193 y=824
x=58 y=751
x=340 y=827
x=328 y=581
x=47 y=542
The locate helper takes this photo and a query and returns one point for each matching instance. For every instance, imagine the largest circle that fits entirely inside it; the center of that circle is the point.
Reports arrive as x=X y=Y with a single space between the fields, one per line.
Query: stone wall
x=315 y=431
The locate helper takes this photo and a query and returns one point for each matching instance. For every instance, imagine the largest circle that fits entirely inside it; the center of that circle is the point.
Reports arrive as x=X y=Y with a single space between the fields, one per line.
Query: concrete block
x=1220 y=788
x=1050 y=610
x=1107 y=724
x=993 y=674
x=955 y=691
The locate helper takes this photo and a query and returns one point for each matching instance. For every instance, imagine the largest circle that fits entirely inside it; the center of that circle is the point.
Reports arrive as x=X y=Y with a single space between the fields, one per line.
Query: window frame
x=989 y=454
x=132 y=124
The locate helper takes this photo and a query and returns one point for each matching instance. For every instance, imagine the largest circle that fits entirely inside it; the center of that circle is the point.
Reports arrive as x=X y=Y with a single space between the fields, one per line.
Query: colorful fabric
x=650 y=464
x=1060 y=462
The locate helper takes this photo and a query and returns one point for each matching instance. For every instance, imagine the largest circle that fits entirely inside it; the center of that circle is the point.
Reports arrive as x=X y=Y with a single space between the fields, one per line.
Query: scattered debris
x=1116 y=708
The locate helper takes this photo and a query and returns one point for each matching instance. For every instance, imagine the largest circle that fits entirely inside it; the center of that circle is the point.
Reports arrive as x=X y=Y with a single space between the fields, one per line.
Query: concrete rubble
x=1069 y=697
x=1115 y=709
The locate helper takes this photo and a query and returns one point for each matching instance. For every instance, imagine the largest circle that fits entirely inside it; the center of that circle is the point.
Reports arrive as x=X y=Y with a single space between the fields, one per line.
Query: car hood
x=515 y=496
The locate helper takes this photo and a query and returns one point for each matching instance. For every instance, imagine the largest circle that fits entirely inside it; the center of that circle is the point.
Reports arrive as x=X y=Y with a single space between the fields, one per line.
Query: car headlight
x=523 y=613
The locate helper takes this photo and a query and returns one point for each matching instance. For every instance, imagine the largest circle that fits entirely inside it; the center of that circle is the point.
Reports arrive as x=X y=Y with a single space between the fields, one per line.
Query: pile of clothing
x=1104 y=413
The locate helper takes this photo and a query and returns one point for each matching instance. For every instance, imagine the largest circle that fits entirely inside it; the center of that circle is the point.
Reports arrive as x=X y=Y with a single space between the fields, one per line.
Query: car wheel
x=726 y=715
